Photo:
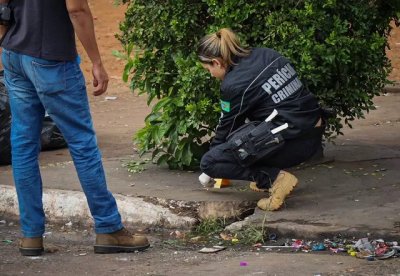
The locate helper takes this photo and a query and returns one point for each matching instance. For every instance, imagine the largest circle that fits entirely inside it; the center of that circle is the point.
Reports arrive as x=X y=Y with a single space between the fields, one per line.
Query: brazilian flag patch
x=225 y=106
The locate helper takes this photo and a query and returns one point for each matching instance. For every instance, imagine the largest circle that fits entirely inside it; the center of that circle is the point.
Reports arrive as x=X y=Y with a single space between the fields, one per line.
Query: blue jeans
x=37 y=85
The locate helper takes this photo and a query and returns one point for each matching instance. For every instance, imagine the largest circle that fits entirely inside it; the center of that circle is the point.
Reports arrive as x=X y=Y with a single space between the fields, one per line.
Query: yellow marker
x=222 y=183
x=235 y=240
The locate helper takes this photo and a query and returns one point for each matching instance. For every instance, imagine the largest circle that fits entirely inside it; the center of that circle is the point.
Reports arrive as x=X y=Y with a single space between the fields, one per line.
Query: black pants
x=219 y=161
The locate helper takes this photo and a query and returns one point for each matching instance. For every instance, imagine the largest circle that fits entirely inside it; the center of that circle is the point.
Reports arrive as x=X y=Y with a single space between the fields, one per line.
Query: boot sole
x=31 y=251
x=253 y=187
x=110 y=249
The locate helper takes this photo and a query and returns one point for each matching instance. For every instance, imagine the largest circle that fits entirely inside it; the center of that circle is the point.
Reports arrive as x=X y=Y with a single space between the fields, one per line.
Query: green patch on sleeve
x=226 y=106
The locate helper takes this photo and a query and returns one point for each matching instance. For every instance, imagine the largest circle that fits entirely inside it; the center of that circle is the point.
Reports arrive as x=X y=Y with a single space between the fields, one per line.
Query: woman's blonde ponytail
x=223 y=44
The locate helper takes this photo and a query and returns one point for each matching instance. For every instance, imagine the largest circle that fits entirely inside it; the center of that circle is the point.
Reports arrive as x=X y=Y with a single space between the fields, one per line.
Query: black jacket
x=260 y=83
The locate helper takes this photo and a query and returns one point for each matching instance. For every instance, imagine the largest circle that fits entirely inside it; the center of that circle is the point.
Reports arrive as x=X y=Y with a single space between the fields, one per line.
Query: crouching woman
x=254 y=83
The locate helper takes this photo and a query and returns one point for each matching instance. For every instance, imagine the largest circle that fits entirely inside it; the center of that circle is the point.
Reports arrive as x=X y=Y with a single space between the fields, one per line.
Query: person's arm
x=82 y=20
x=3 y=28
x=233 y=115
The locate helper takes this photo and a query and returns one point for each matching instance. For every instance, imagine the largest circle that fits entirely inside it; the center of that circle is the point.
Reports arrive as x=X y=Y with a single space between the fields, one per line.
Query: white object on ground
x=110 y=98
x=204 y=179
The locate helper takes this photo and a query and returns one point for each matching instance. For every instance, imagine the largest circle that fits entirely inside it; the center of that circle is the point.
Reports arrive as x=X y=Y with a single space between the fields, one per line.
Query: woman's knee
x=207 y=162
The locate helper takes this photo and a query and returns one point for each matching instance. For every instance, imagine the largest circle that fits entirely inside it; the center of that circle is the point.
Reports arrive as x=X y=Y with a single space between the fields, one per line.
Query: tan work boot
x=31 y=246
x=120 y=241
x=281 y=188
x=253 y=187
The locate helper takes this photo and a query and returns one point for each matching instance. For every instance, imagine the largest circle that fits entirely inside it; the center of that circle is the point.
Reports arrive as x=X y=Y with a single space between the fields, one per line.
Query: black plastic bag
x=51 y=137
x=5 y=124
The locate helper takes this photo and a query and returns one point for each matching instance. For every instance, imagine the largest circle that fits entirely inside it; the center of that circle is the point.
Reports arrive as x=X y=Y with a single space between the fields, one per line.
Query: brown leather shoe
x=120 y=241
x=31 y=246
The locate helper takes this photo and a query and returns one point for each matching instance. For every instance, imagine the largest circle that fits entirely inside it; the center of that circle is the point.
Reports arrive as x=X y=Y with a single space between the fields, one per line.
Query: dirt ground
x=394 y=54
x=69 y=251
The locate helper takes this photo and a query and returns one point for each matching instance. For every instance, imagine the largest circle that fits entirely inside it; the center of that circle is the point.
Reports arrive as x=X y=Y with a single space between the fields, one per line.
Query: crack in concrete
x=230 y=210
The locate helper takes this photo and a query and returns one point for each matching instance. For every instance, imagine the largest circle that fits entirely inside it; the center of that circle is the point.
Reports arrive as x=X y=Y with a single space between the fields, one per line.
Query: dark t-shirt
x=41 y=28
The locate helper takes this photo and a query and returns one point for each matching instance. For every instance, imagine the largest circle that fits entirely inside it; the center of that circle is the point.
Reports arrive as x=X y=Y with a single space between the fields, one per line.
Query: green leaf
x=163 y=159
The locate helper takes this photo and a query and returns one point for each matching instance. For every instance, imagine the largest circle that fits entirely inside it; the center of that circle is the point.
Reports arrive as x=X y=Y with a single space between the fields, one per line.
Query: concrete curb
x=310 y=229
x=64 y=206
x=392 y=88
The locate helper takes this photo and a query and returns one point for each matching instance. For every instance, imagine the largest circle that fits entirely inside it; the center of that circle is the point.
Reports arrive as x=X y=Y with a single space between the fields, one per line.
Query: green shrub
x=337 y=46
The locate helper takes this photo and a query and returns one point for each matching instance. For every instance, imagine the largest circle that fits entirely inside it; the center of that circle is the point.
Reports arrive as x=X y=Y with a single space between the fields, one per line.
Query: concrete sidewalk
x=357 y=194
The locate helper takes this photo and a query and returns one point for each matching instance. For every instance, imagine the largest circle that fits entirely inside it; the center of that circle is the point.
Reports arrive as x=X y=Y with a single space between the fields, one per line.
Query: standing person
x=254 y=83
x=42 y=74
